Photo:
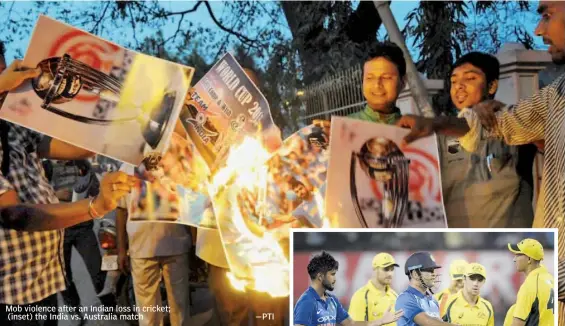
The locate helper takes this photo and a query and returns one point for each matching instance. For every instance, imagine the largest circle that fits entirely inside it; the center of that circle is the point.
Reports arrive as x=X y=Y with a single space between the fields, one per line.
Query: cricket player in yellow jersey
x=456 y=272
x=535 y=299
x=467 y=307
x=376 y=297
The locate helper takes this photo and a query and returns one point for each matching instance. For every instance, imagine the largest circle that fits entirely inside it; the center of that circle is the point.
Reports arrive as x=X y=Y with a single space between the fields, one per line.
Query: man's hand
x=420 y=127
x=15 y=75
x=113 y=187
x=486 y=112
x=389 y=317
x=123 y=260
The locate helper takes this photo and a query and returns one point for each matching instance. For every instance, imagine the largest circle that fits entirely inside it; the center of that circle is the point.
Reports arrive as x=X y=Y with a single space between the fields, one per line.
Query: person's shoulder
x=305 y=298
x=487 y=303
x=360 y=291
x=405 y=296
x=393 y=292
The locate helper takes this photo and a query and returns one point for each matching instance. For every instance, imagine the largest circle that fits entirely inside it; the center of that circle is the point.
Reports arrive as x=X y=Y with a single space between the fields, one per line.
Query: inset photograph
x=460 y=277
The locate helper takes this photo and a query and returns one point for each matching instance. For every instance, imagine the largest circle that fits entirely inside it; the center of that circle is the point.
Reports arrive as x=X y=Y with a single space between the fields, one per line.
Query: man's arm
x=422 y=319
x=518 y=322
x=56 y=149
x=388 y=318
x=304 y=313
x=60 y=216
x=519 y=124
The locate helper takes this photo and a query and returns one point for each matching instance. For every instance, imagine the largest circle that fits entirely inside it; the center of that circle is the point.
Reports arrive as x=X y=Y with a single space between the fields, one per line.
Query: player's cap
x=420 y=260
x=475 y=269
x=529 y=247
x=384 y=260
x=457 y=269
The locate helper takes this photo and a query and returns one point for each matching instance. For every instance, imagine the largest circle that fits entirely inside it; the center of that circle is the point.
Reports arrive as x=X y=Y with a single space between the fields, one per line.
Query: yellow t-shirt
x=509 y=316
x=369 y=303
x=442 y=298
x=535 y=299
x=461 y=312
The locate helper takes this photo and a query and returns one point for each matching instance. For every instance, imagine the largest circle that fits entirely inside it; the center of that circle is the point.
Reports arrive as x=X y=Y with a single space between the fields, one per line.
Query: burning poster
x=175 y=189
x=374 y=182
x=98 y=95
x=222 y=107
x=258 y=197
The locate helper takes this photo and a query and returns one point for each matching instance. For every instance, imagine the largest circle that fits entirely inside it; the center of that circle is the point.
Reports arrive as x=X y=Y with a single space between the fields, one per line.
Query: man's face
x=521 y=262
x=457 y=284
x=381 y=83
x=473 y=284
x=384 y=275
x=552 y=28
x=328 y=280
x=429 y=277
x=469 y=86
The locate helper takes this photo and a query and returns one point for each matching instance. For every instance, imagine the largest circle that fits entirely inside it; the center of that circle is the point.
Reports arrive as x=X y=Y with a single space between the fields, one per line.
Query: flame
x=257 y=260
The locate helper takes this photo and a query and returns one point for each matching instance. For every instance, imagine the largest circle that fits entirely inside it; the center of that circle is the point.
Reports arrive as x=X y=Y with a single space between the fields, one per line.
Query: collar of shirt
x=312 y=292
x=416 y=292
x=467 y=303
x=376 y=116
x=372 y=288
x=539 y=270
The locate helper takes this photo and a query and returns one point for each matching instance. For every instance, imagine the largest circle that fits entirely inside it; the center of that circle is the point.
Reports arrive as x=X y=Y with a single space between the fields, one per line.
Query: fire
x=257 y=260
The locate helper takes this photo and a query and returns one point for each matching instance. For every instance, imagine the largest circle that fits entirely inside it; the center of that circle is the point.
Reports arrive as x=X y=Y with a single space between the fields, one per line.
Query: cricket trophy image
x=62 y=78
x=384 y=163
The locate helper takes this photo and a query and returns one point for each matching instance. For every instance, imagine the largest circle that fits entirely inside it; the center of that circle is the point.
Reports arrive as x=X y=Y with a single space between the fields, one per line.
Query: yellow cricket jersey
x=461 y=312
x=509 y=316
x=369 y=303
x=535 y=299
x=442 y=299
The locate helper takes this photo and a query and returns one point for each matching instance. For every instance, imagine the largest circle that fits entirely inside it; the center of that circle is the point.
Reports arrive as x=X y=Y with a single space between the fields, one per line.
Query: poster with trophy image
x=374 y=182
x=98 y=95
x=175 y=190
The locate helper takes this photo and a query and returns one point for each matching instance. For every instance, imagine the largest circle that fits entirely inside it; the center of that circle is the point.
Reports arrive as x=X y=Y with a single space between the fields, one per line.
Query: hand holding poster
x=373 y=182
x=98 y=95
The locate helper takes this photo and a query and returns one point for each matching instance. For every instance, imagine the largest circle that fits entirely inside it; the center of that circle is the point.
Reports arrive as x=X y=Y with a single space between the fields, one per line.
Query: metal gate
x=339 y=94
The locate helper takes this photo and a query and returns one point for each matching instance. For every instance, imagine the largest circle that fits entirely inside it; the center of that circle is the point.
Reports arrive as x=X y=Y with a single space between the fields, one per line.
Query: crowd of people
x=460 y=303
x=486 y=163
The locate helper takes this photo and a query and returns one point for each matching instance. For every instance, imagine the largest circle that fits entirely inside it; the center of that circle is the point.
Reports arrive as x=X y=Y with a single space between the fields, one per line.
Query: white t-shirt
x=154 y=239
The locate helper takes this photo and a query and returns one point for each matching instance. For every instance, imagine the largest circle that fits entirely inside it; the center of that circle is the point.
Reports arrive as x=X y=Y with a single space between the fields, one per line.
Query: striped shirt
x=539 y=117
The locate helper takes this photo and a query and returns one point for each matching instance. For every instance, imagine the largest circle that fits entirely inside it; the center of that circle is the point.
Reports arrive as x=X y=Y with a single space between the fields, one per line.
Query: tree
x=330 y=35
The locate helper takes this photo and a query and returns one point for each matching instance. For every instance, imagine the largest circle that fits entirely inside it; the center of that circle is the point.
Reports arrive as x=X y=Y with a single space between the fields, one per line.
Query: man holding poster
x=33 y=274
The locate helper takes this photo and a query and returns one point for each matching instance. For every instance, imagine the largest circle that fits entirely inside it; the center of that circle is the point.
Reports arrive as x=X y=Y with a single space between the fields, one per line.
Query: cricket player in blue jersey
x=316 y=307
x=417 y=302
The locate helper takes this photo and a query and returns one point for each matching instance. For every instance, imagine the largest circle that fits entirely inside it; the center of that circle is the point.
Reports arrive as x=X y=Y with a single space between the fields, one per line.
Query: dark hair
x=391 y=52
x=2 y=50
x=488 y=64
x=322 y=263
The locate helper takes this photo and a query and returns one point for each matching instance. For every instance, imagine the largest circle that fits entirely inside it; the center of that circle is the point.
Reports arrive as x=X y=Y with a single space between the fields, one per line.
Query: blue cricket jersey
x=414 y=302
x=311 y=310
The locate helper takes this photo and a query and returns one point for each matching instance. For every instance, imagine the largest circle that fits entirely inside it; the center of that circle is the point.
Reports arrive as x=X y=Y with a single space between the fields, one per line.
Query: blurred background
x=355 y=251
